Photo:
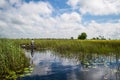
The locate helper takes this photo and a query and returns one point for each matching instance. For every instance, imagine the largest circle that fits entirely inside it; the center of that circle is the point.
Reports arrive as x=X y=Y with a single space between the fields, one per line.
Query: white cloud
x=15 y=1
x=3 y=4
x=7 y=4
x=72 y=17
x=73 y=3
x=97 y=7
x=36 y=20
x=28 y=20
x=109 y=30
x=41 y=8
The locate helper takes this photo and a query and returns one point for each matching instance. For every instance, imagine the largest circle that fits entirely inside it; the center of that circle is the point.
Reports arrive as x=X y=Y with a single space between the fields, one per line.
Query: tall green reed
x=12 y=59
x=84 y=46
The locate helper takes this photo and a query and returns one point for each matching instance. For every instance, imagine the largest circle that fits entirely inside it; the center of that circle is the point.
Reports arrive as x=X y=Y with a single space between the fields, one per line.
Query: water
x=49 y=65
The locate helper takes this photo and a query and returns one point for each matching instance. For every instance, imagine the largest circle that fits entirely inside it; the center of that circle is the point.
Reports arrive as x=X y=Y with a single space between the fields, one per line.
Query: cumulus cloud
x=36 y=20
x=73 y=3
x=97 y=7
x=41 y=8
x=109 y=30
x=27 y=20
x=71 y=17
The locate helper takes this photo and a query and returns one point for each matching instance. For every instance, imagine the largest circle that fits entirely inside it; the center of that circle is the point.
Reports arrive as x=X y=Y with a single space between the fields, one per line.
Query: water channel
x=50 y=65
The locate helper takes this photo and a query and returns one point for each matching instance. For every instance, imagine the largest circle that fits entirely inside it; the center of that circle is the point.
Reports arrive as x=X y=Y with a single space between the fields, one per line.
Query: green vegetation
x=82 y=36
x=84 y=46
x=99 y=38
x=12 y=60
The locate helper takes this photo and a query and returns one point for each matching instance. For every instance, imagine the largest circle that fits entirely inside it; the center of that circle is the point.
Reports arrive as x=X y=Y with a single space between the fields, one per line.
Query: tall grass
x=84 y=46
x=12 y=59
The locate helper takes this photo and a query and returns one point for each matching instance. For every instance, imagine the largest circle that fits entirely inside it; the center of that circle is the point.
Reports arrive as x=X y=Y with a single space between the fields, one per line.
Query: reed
x=84 y=46
x=12 y=60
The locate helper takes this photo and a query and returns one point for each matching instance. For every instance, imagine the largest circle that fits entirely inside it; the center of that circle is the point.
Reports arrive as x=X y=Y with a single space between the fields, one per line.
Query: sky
x=59 y=18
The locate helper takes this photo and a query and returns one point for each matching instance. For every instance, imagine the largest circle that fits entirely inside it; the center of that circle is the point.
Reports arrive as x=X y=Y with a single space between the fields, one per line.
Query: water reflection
x=49 y=65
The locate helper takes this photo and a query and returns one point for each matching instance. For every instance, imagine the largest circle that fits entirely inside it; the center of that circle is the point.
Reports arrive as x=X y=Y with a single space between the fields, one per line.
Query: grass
x=12 y=59
x=84 y=46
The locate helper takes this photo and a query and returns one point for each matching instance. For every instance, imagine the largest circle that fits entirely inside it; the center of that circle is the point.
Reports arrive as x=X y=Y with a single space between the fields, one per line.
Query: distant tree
x=97 y=38
x=82 y=36
x=103 y=38
x=93 y=38
x=72 y=38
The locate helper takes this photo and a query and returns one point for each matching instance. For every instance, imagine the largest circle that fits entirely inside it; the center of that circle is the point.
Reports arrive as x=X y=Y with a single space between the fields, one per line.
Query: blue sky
x=59 y=18
x=62 y=6
x=57 y=4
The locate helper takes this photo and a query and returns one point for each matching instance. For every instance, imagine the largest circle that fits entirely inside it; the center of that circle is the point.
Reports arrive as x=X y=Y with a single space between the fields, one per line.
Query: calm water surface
x=49 y=65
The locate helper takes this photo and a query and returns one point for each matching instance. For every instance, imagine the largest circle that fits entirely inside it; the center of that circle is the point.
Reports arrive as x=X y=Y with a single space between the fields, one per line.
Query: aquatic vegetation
x=12 y=59
x=84 y=46
x=51 y=64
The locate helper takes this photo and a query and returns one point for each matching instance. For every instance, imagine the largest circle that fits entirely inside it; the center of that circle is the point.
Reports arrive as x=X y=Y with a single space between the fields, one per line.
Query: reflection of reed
x=32 y=47
x=119 y=72
x=114 y=68
x=32 y=50
x=118 y=68
x=31 y=58
x=110 y=64
x=90 y=66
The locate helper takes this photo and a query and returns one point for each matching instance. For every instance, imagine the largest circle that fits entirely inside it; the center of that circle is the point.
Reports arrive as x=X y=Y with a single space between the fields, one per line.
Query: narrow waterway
x=49 y=65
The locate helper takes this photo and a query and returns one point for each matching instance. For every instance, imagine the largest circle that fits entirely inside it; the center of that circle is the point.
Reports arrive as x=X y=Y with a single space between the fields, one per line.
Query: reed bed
x=84 y=46
x=12 y=60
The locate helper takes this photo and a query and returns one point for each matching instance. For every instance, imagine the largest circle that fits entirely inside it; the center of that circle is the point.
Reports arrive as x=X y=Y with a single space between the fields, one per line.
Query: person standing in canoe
x=32 y=47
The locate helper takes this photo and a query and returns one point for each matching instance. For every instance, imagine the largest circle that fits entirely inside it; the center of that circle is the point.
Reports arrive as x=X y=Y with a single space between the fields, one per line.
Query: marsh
x=50 y=65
